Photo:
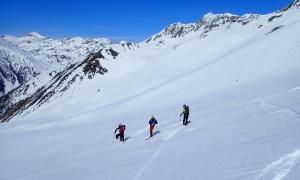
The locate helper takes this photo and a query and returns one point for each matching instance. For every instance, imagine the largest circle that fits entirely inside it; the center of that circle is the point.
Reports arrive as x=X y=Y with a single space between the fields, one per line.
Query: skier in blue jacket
x=152 y=123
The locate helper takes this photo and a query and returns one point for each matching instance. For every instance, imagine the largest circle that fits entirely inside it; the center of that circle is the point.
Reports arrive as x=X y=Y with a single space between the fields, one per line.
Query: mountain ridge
x=211 y=22
x=200 y=30
x=51 y=53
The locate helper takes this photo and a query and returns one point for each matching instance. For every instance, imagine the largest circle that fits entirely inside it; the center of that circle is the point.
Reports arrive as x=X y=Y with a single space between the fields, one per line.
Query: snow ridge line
x=280 y=168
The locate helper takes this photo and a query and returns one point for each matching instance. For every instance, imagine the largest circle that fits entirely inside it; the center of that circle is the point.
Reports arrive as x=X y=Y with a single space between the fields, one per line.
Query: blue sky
x=131 y=20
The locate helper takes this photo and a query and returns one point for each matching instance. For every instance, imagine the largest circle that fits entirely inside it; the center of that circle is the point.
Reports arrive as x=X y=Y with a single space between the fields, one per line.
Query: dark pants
x=185 y=119
x=121 y=135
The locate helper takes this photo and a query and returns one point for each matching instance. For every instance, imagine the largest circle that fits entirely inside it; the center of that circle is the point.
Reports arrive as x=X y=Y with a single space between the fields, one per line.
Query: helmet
x=120 y=124
x=152 y=117
x=184 y=105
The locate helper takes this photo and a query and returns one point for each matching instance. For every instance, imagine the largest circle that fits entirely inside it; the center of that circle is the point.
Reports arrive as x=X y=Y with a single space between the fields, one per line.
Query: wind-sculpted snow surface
x=241 y=85
x=233 y=132
x=279 y=169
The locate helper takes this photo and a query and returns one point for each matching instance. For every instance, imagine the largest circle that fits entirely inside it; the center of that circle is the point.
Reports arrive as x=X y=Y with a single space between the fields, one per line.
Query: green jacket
x=183 y=111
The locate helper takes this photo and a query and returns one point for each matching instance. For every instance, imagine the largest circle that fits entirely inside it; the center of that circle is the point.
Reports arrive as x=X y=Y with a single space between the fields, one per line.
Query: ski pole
x=124 y=137
x=113 y=139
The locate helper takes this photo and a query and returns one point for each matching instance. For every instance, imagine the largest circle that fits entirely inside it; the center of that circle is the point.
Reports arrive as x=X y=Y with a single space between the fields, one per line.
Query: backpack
x=152 y=122
x=187 y=110
x=121 y=129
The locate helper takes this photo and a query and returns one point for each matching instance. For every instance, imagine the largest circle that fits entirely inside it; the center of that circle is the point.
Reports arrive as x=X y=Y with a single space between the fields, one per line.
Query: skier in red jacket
x=121 y=129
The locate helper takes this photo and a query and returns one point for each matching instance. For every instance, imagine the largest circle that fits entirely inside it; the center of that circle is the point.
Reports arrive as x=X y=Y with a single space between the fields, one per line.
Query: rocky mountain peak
x=211 y=18
x=207 y=23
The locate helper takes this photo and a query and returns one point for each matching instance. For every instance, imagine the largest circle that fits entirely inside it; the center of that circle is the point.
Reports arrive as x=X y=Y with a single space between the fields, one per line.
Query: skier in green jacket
x=185 y=112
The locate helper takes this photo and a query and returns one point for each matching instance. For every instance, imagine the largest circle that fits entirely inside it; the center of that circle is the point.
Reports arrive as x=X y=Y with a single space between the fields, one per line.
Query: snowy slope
x=241 y=84
x=54 y=85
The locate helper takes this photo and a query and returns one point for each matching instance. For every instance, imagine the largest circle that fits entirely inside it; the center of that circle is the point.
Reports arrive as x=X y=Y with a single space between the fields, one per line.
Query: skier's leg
x=151 y=129
x=122 y=137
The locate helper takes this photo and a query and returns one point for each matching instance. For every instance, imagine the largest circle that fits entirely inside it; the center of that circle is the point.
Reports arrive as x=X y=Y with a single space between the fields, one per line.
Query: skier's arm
x=116 y=130
x=183 y=111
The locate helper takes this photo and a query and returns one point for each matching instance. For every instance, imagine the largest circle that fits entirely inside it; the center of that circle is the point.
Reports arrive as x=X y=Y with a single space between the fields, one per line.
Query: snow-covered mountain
x=25 y=57
x=238 y=75
x=16 y=66
x=246 y=25
x=58 y=51
x=53 y=84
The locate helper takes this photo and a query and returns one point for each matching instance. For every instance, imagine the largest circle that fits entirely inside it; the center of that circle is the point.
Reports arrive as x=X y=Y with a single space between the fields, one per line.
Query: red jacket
x=121 y=129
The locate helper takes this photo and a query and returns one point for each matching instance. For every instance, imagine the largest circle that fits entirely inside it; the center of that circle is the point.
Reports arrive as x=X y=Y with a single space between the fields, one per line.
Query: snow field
x=244 y=104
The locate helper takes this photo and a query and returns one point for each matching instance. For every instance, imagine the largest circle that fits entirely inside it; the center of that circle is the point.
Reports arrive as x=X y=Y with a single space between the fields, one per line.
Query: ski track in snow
x=155 y=154
x=280 y=168
x=167 y=135
x=264 y=101
x=290 y=110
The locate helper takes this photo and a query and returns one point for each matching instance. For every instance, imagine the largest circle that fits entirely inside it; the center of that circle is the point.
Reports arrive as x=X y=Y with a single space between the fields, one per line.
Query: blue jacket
x=152 y=122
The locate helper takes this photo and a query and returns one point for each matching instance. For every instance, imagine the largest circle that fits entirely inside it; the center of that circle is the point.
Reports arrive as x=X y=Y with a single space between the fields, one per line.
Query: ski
x=156 y=132
x=148 y=138
x=186 y=123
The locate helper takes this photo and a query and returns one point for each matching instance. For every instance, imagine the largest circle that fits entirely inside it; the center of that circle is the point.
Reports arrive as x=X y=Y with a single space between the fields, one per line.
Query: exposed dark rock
x=178 y=33
x=157 y=36
x=273 y=17
x=2 y=86
x=244 y=23
x=275 y=29
x=148 y=40
x=93 y=65
x=113 y=53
